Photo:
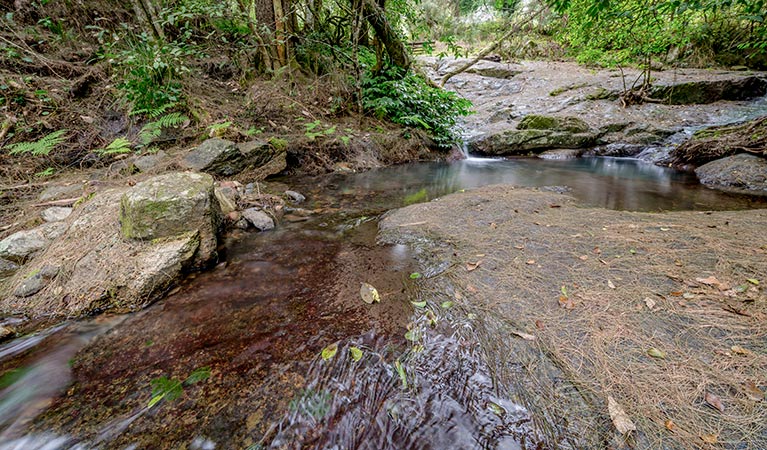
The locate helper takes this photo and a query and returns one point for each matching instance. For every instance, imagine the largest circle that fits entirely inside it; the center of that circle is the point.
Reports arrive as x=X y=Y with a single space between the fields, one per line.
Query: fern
x=43 y=146
x=154 y=113
x=152 y=130
x=118 y=146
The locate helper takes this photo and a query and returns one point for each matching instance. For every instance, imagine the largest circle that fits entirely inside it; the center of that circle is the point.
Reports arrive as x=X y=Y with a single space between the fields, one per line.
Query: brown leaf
x=753 y=392
x=738 y=350
x=473 y=266
x=530 y=262
x=712 y=281
x=714 y=402
x=566 y=302
x=583 y=257
x=493 y=225
x=620 y=419
x=670 y=425
x=525 y=336
x=597 y=250
x=539 y=324
x=555 y=206
x=519 y=247
x=710 y=438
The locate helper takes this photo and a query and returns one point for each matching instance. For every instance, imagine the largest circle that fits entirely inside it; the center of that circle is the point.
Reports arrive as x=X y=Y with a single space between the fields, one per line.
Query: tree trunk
x=147 y=16
x=395 y=48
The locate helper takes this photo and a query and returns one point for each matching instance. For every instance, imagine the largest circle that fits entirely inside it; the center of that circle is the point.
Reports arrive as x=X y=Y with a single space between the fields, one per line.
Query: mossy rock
x=520 y=142
x=553 y=123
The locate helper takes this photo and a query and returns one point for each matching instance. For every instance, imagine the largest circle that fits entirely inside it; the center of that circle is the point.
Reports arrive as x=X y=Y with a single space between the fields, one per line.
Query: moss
x=536 y=122
x=278 y=144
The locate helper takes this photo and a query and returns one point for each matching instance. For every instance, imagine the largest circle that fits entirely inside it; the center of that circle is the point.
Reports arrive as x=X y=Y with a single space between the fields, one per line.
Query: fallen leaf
x=610 y=284
x=471 y=288
x=597 y=250
x=753 y=281
x=670 y=425
x=329 y=351
x=419 y=304
x=664 y=229
x=655 y=353
x=519 y=247
x=539 y=324
x=493 y=225
x=675 y=294
x=688 y=296
x=678 y=262
x=471 y=316
x=525 y=336
x=415 y=276
x=632 y=251
x=356 y=353
x=473 y=266
x=649 y=302
x=566 y=302
x=369 y=294
x=620 y=419
x=496 y=409
x=411 y=335
x=530 y=262
x=710 y=281
x=583 y=257
x=447 y=304
x=753 y=392
x=738 y=350
x=714 y=401
x=709 y=438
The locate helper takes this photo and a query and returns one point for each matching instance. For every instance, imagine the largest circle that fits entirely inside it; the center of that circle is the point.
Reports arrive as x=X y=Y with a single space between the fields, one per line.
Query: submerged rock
x=741 y=173
x=562 y=153
x=171 y=205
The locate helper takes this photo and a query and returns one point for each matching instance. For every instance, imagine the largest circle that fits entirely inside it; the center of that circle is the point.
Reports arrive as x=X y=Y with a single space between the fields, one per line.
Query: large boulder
x=517 y=142
x=217 y=156
x=739 y=173
x=170 y=205
x=709 y=91
x=553 y=123
x=24 y=244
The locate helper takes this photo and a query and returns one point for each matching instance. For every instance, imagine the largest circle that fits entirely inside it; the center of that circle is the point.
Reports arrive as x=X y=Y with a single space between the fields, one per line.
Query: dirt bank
x=662 y=312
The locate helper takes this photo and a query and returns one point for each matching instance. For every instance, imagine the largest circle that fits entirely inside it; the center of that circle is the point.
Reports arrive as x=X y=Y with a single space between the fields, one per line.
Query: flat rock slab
x=217 y=156
x=55 y=213
x=743 y=173
x=24 y=244
x=259 y=219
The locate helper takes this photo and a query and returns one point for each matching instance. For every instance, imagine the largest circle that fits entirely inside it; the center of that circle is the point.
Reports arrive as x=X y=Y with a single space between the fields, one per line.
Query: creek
x=260 y=319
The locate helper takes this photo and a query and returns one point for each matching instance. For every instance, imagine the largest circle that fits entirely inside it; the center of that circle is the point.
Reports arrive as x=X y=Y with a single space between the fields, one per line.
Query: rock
x=147 y=162
x=23 y=244
x=55 y=213
x=515 y=142
x=242 y=224
x=36 y=282
x=258 y=219
x=539 y=122
x=61 y=191
x=170 y=205
x=257 y=153
x=227 y=199
x=703 y=92
x=741 y=173
x=277 y=164
x=615 y=150
x=6 y=332
x=295 y=196
x=250 y=188
x=217 y=156
x=483 y=68
x=53 y=230
x=646 y=135
x=7 y=268
x=561 y=153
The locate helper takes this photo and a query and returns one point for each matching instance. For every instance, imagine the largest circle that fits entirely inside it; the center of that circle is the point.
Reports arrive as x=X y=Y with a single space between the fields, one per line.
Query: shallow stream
x=259 y=321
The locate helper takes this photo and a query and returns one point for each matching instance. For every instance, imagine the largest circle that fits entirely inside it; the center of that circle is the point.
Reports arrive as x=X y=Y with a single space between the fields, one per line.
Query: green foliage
x=408 y=99
x=118 y=146
x=41 y=147
x=170 y=389
x=152 y=130
x=48 y=171
x=315 y=130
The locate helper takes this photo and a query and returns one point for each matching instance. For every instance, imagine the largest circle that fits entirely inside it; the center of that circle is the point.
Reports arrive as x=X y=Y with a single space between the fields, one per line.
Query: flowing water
x=258 y=322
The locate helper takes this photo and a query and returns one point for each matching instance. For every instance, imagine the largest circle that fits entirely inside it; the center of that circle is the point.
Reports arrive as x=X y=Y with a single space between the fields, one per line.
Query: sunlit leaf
x=738 y=350
x=447 y=304
x=415 y=276
x=753 y=281
x=753 y=392
x=620 y=419
x=369 y=294
x=670 y=425
x=329 y=351
x=610 y=284
x=497 y=409
x=525 y=336
x=419 y=304
x=356 y=353
x=473 y=266
x=655 y=353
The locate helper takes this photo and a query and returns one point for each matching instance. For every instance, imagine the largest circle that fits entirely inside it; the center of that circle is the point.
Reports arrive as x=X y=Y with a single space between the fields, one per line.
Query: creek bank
x=583 y=294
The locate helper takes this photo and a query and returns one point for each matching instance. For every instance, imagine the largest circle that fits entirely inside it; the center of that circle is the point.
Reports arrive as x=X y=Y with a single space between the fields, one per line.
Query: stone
x=516 y=142
x=22 y=245
x=7 y=268
x=227 y=199
x=740 y=173
x=6 y=332
x=148 y=162
x=170 y=205
x=217 y=156
x=710 y=91
x=295 y=196
x=259 y=219
x=275 y=165
x=36 y=282
x=55 y=213
x=61 y=191
x=256 y=153
x=53 y=230
x=561 y=154
x=540 y=122
x=242 y=224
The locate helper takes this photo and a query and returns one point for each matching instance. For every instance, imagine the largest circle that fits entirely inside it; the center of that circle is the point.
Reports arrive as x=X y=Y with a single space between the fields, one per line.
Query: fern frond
x=172 y=120
x=43 y=146
x=118 y=146
x=152 y=130
x=154 y=113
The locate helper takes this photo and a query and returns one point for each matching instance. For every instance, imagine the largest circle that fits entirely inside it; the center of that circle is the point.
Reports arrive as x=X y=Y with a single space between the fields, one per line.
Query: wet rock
x=295 y=196
x=242 y=224
x=554 y=123
x=259 y=219
x=561 y=153
x=23 y=244
x=171 y=205
x=7 y=268
x=61 y=191
x=217 y=156
x=148 y=162
x=55 y=213
x=6 y=332
x=741 y=173
x=515 y=142
x=483 y=68
x=616 y=150
x=646 y=135
x=707 y=91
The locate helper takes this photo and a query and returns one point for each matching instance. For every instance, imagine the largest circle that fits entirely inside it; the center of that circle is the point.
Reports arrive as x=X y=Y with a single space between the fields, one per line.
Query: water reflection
x=613 y=183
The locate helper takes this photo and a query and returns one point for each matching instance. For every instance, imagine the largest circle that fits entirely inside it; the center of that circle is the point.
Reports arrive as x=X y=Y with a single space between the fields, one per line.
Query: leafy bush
x=408 y=99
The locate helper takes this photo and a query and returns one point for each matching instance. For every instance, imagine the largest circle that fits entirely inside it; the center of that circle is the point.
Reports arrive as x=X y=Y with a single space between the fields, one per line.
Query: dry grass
x=594 y=343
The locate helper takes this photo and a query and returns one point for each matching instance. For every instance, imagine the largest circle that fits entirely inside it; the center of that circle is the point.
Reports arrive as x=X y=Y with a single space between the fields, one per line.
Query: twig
x=62 y=202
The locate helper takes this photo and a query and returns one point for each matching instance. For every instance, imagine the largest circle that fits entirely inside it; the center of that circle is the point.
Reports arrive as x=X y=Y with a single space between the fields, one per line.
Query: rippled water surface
x=260 y=321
